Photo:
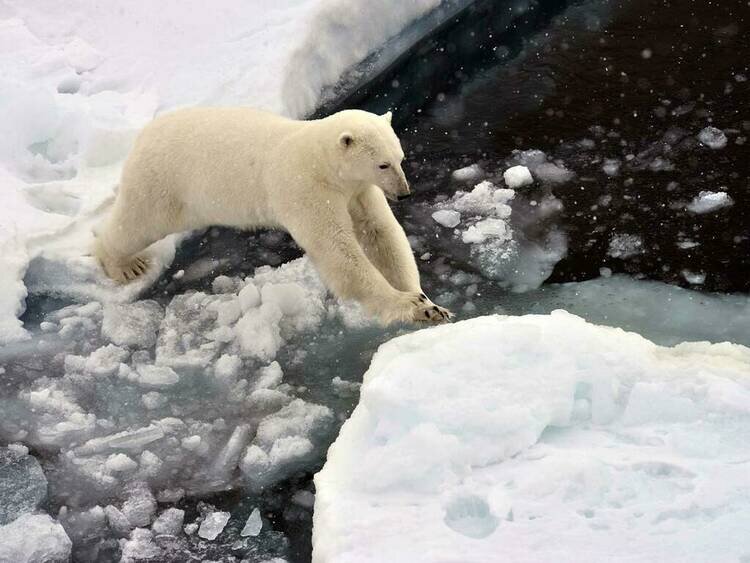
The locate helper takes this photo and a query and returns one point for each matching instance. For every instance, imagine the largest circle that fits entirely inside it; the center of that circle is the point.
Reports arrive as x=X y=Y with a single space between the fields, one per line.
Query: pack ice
x=541 y=438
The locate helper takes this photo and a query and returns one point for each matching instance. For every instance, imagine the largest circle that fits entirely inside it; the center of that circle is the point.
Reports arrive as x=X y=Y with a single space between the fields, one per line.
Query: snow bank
x=80 y=80
x=519 y=435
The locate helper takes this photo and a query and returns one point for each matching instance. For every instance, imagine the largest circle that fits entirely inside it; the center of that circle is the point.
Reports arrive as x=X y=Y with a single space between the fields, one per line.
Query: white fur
x=319 y=180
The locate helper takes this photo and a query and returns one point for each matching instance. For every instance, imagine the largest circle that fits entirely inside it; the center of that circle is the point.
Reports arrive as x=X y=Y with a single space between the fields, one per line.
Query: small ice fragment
x=687 y=244
x=713 y=137
x=447 y=218
x=23 y=486
x=551 y=173
x=249 y=297
x=517 y=176
x=140 y=506
x=693 y=277
x=706 y=201
x=223 y=284
x=169 y=522
x=254 y=524
x=157 y=376
x=646 y=53
x=344 y=388
x=468 y=173
x=611 y=166
x=304 y=498
x=625 y=246
x=120 y=463
x=213 y=525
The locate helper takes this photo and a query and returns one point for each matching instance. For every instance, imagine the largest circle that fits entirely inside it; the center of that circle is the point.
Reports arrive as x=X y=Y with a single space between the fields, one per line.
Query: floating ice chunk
x=249 y=297
x=696 y=278
x=687 y=244
x=227 y=312
x=23 y=486
x=117 y=521
x=140 y=506
x=447 y=218
x=486 y=228
x=304 y=498
x=254 y=524
x=706 y=202
x=34 y=538
x=551 y=173
x=103 y=361
x=288 y=297
x=169 y=522
x=224 y=284
x=713 y=137
x=153 y=400
x=298 y=418
x=258 y=332
x=120 y=463
x=344 y=388
x=517 y=177
x=269 y=376
x=625 y=246
x=125 y=440
x=227 y=368
x=156 y=376
x=468 y=173
x=139 y=547
x=611 y=166
x=132 y=324
x=229 y=456
x=213 y=524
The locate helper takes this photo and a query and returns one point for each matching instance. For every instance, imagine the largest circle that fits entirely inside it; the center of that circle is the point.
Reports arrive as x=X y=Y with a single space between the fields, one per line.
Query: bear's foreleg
x=383 y=240
x=331 y=243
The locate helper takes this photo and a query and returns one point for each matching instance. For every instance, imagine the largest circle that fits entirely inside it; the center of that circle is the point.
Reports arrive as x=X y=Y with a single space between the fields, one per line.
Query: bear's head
x=369 y=152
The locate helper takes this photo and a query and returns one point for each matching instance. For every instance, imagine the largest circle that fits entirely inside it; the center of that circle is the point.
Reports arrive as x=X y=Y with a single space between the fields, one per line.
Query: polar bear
x=324 y=181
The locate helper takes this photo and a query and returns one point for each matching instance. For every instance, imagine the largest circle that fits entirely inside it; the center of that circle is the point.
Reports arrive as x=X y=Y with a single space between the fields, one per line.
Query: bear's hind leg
x=121 y=268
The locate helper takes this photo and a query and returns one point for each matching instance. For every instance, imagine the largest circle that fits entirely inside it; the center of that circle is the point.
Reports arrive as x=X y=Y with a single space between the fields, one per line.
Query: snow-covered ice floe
x=79 y=81
x=541 y=438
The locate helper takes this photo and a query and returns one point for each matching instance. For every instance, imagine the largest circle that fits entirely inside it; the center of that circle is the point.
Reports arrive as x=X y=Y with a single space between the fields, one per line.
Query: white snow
x=707 y=202
x=517 y=177
x=510 y=435
x=80 y=80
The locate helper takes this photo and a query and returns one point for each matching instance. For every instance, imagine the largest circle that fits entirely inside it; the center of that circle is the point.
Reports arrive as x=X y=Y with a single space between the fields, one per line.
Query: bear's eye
x=384 y=166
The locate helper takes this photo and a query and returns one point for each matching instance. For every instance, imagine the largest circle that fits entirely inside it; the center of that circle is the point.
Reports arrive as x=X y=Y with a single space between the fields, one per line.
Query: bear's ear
x=346 y=139
x=388 y=115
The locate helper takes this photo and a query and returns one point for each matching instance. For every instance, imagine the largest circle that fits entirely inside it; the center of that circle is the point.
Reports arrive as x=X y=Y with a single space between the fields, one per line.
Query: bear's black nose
x=403 y=196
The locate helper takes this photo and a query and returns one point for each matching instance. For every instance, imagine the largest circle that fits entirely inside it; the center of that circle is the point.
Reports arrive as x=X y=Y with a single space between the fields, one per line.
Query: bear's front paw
x=427 y=312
